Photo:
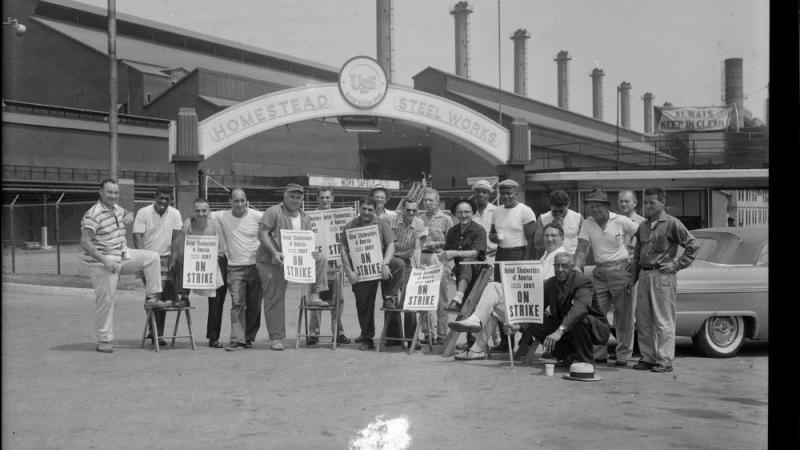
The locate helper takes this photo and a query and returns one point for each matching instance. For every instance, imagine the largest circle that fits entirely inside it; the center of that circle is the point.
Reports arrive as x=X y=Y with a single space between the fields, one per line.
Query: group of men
x=626 y=248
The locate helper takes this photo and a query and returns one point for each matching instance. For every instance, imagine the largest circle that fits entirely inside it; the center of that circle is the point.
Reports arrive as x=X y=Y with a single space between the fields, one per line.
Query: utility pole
x=618 y=165
x=112 y=87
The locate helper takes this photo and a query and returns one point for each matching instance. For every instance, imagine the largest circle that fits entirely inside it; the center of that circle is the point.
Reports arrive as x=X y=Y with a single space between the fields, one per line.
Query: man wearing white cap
x=513 y=228
x=481 y=192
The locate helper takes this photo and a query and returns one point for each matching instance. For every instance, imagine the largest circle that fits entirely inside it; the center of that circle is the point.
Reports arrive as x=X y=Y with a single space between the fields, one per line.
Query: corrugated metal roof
x=219 y=102
x=543 y=121
x=162 y=27
x=156 y=54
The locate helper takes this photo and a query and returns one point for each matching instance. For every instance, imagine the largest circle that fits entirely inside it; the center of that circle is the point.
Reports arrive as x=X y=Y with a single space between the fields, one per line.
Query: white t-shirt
x=572 y=226
x=547 y=262
x=609 y=244
x=157 y=229
x=296 y=224
x=241 y=235
x=509 y=223
x=485 y=219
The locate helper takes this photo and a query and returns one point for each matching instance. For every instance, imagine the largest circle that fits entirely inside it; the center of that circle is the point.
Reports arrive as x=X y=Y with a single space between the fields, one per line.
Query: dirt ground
x=58 y=392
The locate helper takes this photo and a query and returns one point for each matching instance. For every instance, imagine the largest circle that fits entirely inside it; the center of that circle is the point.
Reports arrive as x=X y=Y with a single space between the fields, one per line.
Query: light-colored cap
x=483 y=184
x=508 y=182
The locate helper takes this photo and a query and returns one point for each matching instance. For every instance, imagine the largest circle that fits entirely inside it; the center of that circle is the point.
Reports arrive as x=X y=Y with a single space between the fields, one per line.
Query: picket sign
x=200 y=262
x=298 y=262
x=366 y=252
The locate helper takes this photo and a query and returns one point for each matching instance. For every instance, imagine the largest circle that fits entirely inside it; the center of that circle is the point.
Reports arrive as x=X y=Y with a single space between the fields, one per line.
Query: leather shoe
x=342 y=339
x=312 y=340
x=621 y=363
x=501 y=348
x=643 y=365
x=548 y=355
x=367 y=344
x=233 y=346
x=471 y=325
x=453 y=306
x=213 y=343
x=470 y=356
x=416 y=347
x=566 y=362
x=104 y=347
x=661 y=369
x=360 y=339
x=392 y=343
x=601 y=361
x=248 y=344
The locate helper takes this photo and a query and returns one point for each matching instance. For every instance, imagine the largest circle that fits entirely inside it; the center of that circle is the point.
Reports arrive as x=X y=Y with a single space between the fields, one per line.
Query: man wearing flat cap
x=286 y=215
x=381 y=195
x=560 y=213
x=513 y=228
x=607 y=233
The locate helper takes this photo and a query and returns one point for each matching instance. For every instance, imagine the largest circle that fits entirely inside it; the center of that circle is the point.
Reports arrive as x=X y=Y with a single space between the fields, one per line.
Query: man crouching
x=572 y=321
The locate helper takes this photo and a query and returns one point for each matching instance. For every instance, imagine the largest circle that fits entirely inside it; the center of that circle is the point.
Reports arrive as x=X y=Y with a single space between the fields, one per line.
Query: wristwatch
x=562 y=328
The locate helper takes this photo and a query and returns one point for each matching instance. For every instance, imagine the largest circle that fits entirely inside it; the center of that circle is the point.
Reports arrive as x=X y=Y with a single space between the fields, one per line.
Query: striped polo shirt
x=108 y=228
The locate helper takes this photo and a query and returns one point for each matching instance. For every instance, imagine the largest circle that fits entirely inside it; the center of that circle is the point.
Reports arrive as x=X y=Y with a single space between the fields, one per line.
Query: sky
x=673 y=49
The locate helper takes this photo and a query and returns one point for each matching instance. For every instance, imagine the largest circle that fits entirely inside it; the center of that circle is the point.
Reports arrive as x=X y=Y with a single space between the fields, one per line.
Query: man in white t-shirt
x=513 y=229
x=155 y=228
x=559 y=213
x=240 y=228
x=607 y=233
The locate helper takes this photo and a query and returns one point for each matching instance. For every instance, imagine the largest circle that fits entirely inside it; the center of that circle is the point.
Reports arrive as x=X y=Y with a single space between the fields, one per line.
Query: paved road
x=59 y=393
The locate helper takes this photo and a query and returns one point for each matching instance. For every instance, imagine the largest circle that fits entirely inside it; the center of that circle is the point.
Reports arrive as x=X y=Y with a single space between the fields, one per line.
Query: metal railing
x=82 y=114
x=81 y=175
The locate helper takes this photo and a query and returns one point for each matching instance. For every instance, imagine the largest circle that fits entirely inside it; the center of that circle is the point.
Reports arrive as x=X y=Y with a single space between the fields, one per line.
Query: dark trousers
x=215 y=304
x=409 y=319
x=366 y=291
x=576 y=341
x=506 y=254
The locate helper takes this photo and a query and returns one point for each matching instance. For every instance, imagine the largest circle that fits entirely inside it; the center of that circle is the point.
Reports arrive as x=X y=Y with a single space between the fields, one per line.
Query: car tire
x=720 y=336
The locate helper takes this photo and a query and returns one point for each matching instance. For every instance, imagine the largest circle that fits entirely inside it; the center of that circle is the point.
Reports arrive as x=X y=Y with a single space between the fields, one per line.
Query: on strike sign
x=523 y=289
x=365 y=252
x=200 y=262
x=298 y=263
x=422 y=290
x=328 y=225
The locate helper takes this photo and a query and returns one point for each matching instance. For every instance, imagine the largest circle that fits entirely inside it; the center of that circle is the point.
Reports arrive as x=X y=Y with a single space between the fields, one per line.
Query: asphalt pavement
x=58 y=392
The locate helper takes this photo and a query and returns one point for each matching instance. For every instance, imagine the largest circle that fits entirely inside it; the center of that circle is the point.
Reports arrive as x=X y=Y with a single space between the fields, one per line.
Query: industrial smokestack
x=460 y=12
x=648 y=112
x=597 y=93
x=520 y=38
x=625 y=104
x=734 y=86
x=562 y=71
x=385 y=31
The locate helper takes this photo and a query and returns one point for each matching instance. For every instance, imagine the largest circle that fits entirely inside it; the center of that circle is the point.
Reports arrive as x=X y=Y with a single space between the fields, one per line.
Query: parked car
x=722 y=296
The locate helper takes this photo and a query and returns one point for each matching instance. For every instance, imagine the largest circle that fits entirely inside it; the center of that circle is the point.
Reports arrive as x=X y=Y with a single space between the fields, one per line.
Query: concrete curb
x=47 y=290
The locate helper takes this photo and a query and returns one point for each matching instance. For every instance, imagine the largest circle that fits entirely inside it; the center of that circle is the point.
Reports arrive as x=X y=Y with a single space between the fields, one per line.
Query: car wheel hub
x=723 y=330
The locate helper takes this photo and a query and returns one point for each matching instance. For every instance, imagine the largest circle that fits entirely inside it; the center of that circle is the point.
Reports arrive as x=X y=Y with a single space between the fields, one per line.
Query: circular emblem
x=362 y=82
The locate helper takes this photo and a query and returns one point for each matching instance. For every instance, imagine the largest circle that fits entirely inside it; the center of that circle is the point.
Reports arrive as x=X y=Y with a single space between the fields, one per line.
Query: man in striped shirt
x=107 y=256
x=437 y=223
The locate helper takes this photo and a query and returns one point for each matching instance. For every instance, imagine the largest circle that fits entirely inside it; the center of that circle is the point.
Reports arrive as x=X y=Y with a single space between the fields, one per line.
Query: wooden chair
x=150 y=320
x=337 y=275
x=468 y=307
x=397 y=314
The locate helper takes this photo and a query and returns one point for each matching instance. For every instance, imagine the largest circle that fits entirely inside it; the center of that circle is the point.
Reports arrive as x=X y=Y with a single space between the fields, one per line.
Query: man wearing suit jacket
x=573 y=322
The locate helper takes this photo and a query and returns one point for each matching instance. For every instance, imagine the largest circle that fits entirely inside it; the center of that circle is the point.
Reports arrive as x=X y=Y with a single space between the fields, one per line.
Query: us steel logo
x=362 y=82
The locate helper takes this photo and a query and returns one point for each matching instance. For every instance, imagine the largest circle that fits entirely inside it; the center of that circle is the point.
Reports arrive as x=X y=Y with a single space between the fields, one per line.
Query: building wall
x=27 y=145
x=45 y=67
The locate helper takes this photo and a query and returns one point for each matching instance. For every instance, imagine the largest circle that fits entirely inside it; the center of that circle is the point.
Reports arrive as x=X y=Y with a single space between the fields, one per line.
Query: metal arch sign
x=281 y=108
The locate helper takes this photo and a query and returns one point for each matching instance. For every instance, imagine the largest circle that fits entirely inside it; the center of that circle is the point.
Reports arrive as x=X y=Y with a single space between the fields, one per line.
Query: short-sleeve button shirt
x=157 y=228
x=608 y=244
x=406 y=236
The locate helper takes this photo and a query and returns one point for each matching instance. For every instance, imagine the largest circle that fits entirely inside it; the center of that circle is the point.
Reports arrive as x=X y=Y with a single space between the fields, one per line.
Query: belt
x=649 y=267
x=507 y=249
x=612 y=263
x=428 y=252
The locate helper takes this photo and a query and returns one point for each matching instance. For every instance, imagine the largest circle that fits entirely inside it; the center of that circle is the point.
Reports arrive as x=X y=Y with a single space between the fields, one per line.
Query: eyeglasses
x=409 y=210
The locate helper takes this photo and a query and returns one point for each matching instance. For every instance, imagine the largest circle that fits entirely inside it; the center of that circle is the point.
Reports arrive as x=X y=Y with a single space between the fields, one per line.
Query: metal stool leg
x=430 y=335
x=416 y=333
x=386 y=320
x=300 y=320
